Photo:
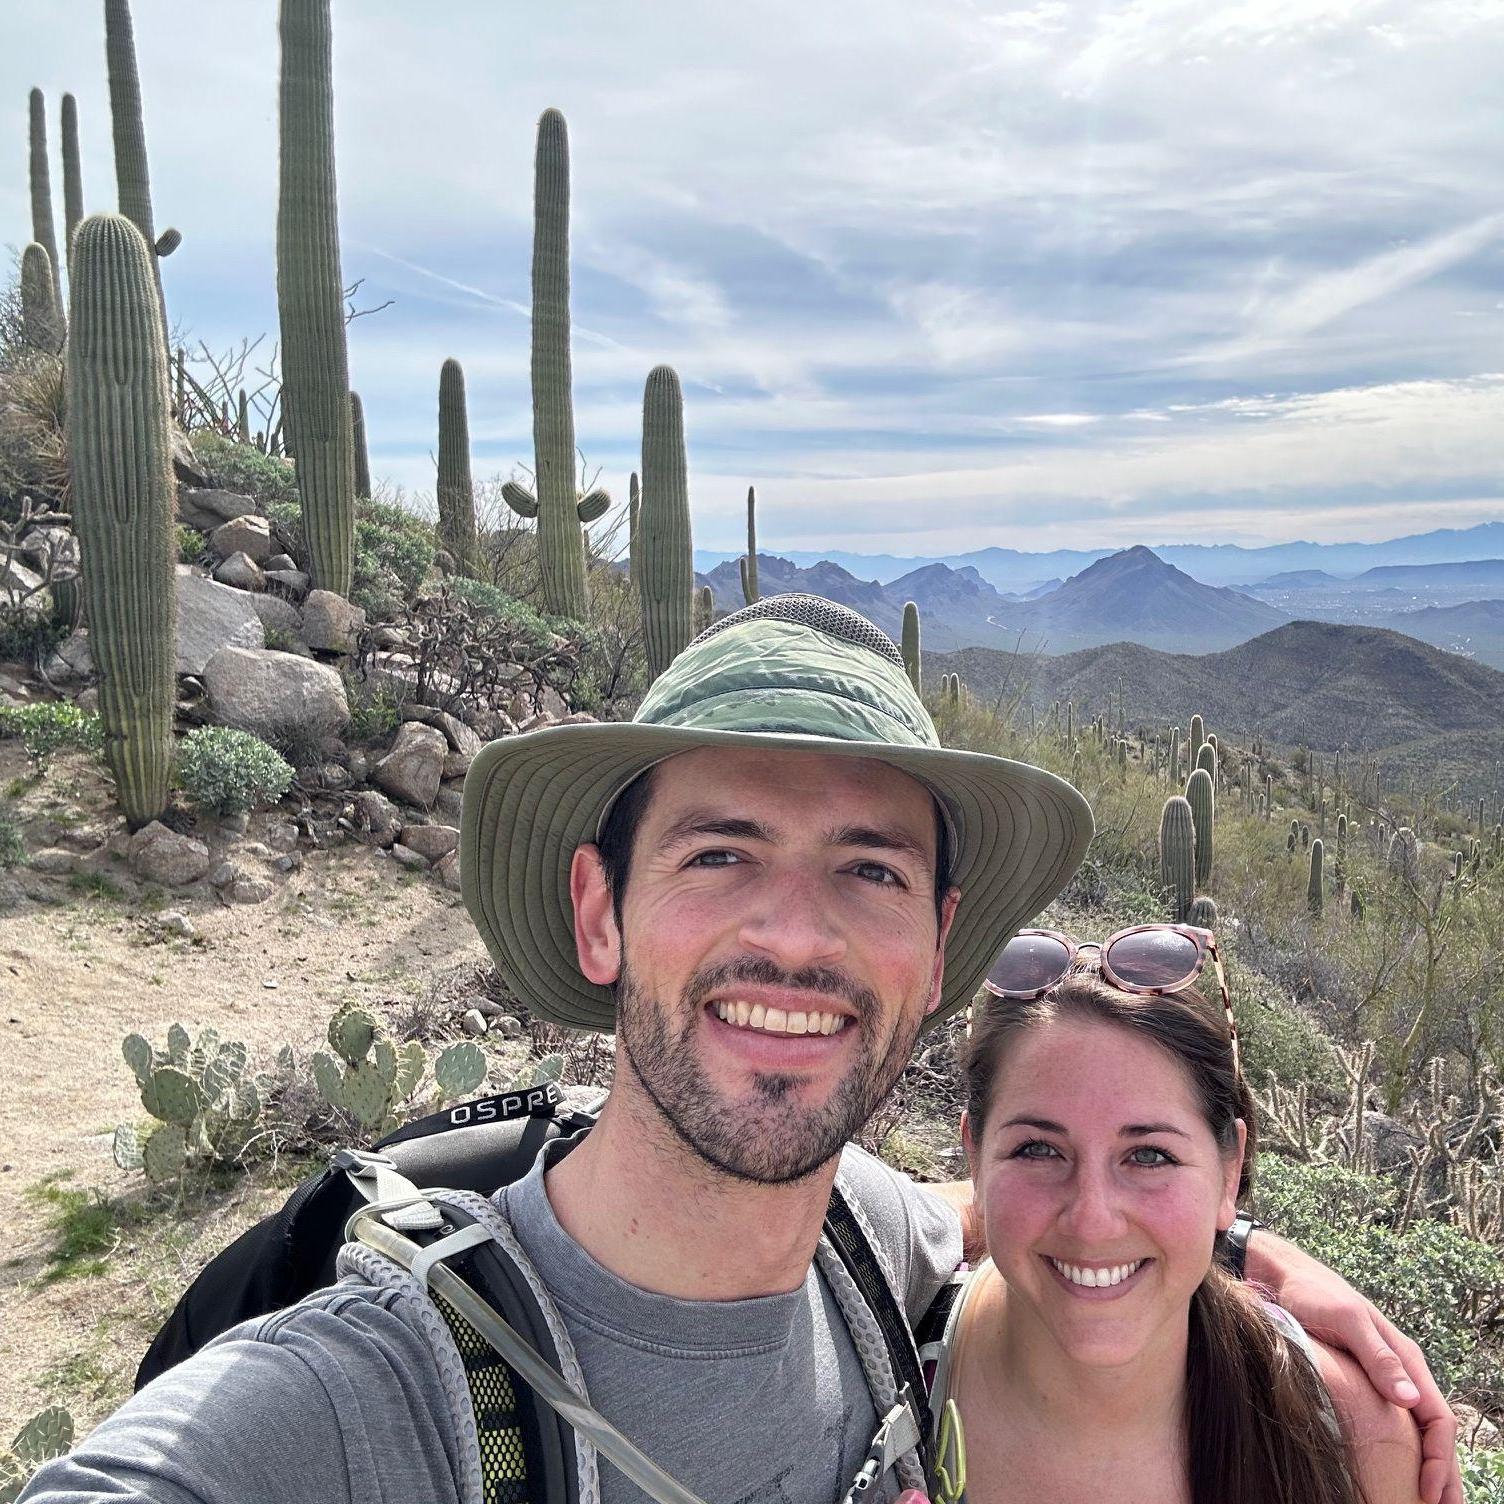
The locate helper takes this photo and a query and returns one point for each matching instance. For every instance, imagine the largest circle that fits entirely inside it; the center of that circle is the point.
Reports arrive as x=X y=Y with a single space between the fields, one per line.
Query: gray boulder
x=14 y=575
x=54 y=861
x=412 y=770
x=280 y=561
x=277 y=614
x=163 y=856
x=206 y=509
x=376 y=818
x=251 y=535
x=211 y=617
x=459 y=736
x=293 y=581
x=243 y=572
x=431 y=841
x=185 y=463
x=330 y=622
x=407 y=857
x=448 y=870
x=268 y=693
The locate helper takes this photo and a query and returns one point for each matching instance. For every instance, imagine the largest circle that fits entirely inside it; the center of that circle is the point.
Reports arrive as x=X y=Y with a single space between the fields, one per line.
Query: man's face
x=779 y=950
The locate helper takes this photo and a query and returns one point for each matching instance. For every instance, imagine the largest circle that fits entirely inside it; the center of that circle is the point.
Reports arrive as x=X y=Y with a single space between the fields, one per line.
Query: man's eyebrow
x=1128 y=1130
x=887 y=839
x=700 y=822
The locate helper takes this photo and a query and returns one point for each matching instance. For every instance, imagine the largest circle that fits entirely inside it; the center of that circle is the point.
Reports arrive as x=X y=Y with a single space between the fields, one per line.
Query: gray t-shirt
x=342 y=1399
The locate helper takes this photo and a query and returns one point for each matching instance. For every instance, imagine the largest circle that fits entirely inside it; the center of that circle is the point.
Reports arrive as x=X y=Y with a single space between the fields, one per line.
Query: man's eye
x=713 y=859
x=1034 y=1148
x=876 y=872
x=1150 y=1158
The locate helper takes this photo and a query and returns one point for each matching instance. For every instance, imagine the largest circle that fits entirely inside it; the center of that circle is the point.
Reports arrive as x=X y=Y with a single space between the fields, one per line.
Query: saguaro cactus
x=749 y=564
x=1177 y=855
x=1206 y=758
x=128 y=127
x=41 y=318
x=1196 y=737
x=73 y=181
x=704 y=609
x=1313 y=881
x=310 y=295
x=121 y=461
x=42 y=231
x=558 y=506
x=666 y=577
x=912 y=660
x=456 y=493
x=358 y=439
x=1202 y=796
x=634 y=506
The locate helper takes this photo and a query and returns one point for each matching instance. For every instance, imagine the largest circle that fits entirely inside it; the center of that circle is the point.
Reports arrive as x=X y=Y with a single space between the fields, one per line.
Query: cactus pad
x=352 y=1032
x=328 y=1079
x=172 y=1096
x=384 y=1056
x=411 y=1062
x=126 y=1147
x=365 y=1094
x=47 y=1434
x=166 y=1152
x=460 y=1069
x=138 y=1055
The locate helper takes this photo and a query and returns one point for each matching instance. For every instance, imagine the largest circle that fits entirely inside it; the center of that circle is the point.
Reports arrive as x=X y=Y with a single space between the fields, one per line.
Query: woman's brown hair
x=1258 y=1420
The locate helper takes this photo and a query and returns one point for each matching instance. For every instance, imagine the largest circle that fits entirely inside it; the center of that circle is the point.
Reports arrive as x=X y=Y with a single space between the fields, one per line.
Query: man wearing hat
x=766 y=885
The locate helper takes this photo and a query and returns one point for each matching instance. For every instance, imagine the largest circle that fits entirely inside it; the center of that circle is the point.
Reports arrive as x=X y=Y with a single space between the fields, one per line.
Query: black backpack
x=475 y=1146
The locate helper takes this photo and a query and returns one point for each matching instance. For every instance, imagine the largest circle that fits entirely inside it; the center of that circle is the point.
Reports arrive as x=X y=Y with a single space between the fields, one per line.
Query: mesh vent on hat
x=817 y=612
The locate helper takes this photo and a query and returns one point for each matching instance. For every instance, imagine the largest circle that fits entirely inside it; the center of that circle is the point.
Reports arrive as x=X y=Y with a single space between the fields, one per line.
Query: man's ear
x=597 y=940
x=937 y=974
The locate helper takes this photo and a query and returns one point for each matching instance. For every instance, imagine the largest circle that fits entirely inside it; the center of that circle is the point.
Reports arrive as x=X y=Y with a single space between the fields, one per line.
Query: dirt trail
x=80 y=972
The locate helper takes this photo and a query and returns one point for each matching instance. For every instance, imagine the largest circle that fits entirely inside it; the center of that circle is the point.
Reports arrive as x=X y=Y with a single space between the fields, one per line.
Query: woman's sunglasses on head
x=1153 y=959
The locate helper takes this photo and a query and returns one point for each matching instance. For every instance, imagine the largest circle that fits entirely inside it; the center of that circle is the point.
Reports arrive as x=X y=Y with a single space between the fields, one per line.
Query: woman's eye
x=1034 y=1148
x=1147 y=1156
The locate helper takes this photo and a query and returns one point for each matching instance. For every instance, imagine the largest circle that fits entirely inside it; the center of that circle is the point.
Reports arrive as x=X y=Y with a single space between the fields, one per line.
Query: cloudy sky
x=935 y=274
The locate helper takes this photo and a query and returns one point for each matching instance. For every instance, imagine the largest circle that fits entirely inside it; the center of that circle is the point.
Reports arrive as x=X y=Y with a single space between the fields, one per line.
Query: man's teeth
x=1098 y=1278
x=779 y=1020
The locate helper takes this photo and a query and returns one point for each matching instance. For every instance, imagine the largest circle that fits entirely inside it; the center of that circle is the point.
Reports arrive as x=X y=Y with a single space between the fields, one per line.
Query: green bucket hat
x=791 y=671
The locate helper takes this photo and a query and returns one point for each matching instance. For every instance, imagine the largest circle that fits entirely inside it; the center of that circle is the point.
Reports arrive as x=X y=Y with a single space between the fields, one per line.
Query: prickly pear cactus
x=460 y=1069
x=166 y=1154
x=352 y=1031
x=46 y=1435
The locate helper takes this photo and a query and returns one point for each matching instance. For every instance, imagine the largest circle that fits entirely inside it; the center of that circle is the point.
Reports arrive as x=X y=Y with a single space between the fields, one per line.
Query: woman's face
x=1101 y=1188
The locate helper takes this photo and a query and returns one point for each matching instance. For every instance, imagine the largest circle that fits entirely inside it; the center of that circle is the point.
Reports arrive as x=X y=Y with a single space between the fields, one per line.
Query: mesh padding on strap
x=493 y=1396
x=817 y=612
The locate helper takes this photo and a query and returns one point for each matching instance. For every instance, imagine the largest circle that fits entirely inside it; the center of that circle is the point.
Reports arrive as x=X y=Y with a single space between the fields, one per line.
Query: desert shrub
x=1279 y=1040
x=27 y=636
x=12 y=847
x=190 y=544
x=1431 y=1279
x=374 y=709
x=33 y=431
x=244 y=469
x=227 y=772
x=393 y=554
x=1482 y=1476
x=49 y=726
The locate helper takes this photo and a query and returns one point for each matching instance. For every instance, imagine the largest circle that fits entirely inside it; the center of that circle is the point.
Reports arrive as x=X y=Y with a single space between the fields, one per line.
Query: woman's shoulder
x=1381 y=1437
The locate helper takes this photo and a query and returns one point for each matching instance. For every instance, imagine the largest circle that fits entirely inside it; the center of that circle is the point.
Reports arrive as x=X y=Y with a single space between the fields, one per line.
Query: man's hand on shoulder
x=1337 y=1315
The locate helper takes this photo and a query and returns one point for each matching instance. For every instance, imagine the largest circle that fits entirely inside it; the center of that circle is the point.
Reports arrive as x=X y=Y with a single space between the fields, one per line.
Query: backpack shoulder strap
x=846 y=1231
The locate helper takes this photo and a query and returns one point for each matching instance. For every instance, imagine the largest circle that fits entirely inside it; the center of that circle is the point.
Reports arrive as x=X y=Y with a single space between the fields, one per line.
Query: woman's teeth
x=779 y=1020
x=1098 y=1278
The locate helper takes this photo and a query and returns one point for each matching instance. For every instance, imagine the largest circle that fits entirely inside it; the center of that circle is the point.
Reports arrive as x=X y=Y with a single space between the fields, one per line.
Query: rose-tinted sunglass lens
x=1029 y=963
x=1153 y=958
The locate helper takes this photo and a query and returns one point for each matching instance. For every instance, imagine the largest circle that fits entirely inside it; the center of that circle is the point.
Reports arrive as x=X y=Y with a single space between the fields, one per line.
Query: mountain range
x=1432 y=714
x=1009 y=569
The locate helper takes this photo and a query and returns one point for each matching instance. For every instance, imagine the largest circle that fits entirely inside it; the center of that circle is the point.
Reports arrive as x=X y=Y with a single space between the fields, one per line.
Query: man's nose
x=789 y=918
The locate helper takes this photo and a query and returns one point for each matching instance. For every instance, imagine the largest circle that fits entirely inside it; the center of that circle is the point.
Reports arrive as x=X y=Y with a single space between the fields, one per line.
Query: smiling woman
x=1110 y=1135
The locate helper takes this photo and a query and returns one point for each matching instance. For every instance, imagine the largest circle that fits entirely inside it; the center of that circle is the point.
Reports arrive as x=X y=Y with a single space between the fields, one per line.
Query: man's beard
x=769 y=1138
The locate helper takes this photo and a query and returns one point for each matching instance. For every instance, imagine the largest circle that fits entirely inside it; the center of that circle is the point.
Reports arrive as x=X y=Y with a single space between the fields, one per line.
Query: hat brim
x=1020 y=834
